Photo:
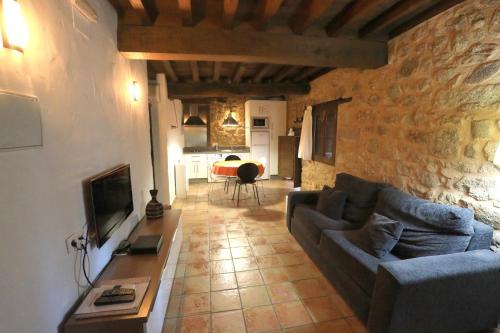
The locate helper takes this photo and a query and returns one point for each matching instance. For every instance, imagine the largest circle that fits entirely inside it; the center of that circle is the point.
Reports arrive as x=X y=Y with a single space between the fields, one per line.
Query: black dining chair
x=246 y=176
x=228 y=179
x=232 y=158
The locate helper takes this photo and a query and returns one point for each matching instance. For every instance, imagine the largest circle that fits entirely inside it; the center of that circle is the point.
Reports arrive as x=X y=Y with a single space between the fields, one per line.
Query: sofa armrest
x=300 y=197
x=482 y=238
x=457 y=292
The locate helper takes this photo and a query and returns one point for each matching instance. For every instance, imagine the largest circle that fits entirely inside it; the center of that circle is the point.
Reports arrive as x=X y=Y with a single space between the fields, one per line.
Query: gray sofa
x=455 y=290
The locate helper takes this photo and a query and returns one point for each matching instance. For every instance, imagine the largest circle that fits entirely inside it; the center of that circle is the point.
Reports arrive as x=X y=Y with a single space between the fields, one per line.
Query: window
x=325 y=131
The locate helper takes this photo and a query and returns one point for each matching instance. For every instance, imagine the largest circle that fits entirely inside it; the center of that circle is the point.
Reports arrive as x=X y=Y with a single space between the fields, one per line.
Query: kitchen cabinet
x=196 y=166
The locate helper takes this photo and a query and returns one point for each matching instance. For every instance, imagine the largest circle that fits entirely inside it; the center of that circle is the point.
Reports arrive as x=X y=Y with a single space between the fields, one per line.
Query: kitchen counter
x=212 y=150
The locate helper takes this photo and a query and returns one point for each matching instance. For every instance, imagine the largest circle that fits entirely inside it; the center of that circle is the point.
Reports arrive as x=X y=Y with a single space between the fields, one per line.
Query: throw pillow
x=383 y=234
x=331 y=203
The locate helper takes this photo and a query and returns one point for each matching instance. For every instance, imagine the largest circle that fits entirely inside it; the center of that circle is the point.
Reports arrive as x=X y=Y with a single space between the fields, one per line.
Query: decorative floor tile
x=337 y=326
x=196 y=284
x=254 y=296
x=322 y=309
x=220 y=254
x=238 y=242
x=310 y=288
x=249 y=278
x=282 y=292
x=222 y=266
x=223 y=281
x=228 y=322
x=225 y=300
x=261 y=319
x=195 y=303
x=194 y=324
x=241 y=252
x=274 y=275
x=194 y=269
x=245 y=264
x=292 y=314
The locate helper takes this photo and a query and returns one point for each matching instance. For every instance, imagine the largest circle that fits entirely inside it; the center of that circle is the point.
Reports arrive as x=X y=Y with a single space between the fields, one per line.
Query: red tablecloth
x=229 y=168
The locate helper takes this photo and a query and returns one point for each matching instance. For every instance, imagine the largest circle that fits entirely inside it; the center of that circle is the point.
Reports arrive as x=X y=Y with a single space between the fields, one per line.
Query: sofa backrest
x=429 y=228
x=361 y=197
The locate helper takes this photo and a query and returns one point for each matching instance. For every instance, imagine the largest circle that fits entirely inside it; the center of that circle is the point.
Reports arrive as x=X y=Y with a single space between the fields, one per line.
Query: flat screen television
x=109 y=202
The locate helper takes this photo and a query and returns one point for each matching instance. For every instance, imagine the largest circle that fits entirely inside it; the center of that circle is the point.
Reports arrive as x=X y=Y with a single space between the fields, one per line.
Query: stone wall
x=227 y=136
x=429 y=121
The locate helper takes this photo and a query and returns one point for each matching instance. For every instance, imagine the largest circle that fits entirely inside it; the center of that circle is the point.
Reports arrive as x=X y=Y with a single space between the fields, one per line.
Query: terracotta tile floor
x=241 y=271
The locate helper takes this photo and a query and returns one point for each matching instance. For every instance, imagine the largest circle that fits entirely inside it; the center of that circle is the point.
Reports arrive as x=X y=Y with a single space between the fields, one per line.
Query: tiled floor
x=241 y=271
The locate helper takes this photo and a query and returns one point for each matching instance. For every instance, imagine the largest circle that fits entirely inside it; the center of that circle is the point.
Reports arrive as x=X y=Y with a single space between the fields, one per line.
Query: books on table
x=88 y=310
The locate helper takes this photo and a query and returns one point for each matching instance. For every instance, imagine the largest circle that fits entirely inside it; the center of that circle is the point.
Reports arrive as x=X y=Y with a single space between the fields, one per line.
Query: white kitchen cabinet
x=196 y=165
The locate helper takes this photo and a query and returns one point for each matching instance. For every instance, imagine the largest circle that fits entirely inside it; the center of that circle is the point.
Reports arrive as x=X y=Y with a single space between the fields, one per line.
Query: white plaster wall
x=168 y=139
x=89 y=124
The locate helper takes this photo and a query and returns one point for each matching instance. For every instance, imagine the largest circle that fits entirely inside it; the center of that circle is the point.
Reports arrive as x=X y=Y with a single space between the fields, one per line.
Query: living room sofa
x=456 y=291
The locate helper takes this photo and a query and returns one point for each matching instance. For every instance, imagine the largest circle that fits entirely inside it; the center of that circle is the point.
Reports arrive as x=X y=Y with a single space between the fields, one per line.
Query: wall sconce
x=230 y=121
x=13 y=25
x=135 y=91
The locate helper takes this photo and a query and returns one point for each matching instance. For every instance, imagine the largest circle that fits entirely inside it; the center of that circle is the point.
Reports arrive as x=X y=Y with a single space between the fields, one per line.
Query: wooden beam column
x=195 y=71
x=188 y=44
x=229 y=16
x=170 y=71
x=308 y=12
x=219 y=89
x=146 y=9
x=266 y=9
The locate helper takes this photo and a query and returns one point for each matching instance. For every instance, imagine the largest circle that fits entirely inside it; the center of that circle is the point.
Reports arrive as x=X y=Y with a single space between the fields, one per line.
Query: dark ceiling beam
x=355 y=10
x=266 y=9
x=285 y=72
x=170 y=71
x=195 y=71
x=238 y=74
x=121 y=6
x=308 y=12
x=188 y=44
x=261 y=73
x=219 y=89
x=307 y=73
x=401 y=11
x=424 y=16
x=229 y=16
x=146 y=9
x=192 y=11
x=216 y=75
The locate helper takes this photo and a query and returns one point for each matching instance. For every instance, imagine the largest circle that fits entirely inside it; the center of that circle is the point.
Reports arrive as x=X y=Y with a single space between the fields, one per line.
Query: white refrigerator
x=260 y=150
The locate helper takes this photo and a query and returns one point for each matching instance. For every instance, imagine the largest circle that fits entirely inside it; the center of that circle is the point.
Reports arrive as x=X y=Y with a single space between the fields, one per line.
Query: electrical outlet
x=68 y=240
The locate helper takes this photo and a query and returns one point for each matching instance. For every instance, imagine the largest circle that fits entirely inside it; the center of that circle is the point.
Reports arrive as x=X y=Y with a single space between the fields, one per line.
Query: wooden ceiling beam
x=308 y=12
x=306 y=73
x=195 y=71
x=146 y=9
x=263 y=71
x=284 y=73
x=217 y=66
x=266 y=9
x=188 y=44
x=121 y=6
x=424 y=16
x=355 y=10
x=238 y=74
x=401 y=11
x=170 y=71
x=219 y=89
x=229 y=16
x=192 y=11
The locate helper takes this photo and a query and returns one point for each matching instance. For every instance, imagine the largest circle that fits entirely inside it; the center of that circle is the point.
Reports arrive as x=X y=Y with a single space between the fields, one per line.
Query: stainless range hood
x=194 y=119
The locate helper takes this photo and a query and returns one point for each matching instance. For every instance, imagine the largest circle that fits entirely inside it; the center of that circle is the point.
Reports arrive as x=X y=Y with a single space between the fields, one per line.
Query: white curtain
x=306 y=137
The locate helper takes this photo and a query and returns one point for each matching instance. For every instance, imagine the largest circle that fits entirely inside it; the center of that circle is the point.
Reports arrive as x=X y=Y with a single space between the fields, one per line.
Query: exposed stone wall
x=429 y=122
x=227 y=136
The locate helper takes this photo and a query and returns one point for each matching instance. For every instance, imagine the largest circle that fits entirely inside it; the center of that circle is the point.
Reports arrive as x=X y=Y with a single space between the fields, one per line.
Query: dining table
x=230 y=168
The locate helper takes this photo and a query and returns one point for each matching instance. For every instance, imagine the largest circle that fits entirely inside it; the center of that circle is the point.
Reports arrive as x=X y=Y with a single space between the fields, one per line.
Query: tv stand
x=160 y=267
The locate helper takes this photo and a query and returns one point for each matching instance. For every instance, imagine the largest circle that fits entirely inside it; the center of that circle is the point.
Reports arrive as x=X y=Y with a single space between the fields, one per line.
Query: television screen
x=111 y=202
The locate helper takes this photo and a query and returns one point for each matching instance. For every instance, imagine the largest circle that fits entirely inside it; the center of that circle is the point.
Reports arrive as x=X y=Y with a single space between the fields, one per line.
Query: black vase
x=154 y=209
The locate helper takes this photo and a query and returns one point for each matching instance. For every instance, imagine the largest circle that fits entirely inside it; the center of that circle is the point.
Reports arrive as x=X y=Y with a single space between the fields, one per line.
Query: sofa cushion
x=340 y=249
x=331 y=202
x=361 y=197
x=429 y=228
x=381 y=234
x=309 y=223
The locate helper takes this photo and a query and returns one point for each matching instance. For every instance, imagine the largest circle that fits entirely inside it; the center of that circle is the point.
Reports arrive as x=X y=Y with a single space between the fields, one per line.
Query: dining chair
x=229 y=178
x=213 y=179
x=246 y=176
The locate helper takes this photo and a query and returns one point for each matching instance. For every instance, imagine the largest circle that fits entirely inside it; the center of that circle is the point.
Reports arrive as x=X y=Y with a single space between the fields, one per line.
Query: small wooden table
x=230 y=168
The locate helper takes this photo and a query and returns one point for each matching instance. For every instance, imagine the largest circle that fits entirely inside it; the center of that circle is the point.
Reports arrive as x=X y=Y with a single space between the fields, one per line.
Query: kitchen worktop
x=220 y=150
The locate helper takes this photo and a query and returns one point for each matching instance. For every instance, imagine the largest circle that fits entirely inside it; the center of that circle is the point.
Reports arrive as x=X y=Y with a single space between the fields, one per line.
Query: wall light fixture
x=135 y=91
x=13 y=25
